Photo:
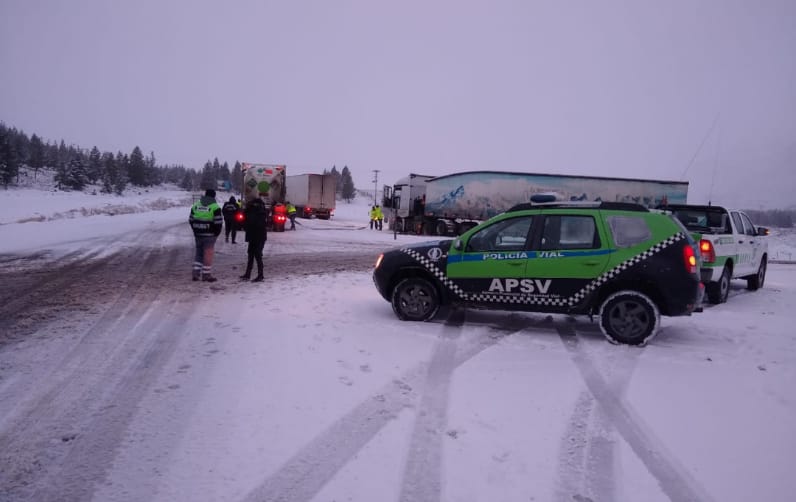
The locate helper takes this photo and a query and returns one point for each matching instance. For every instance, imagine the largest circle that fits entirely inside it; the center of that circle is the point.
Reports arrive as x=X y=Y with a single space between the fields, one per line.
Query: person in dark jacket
x=256 y=235
x=206 y=222
x=230 y=225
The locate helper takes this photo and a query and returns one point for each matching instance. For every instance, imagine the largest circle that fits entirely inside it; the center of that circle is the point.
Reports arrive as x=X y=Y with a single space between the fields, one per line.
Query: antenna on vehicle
x=715 y=165
x=713 y=125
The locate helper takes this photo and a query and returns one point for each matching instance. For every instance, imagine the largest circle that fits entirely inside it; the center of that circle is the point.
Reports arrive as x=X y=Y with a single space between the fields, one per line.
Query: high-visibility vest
x=204 y=213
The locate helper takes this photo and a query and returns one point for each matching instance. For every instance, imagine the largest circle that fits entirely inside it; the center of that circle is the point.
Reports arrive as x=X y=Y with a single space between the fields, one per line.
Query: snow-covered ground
x=309 y=388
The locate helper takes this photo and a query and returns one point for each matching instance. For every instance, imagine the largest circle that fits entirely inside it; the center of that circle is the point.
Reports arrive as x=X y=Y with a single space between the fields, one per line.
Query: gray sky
x=605 y=88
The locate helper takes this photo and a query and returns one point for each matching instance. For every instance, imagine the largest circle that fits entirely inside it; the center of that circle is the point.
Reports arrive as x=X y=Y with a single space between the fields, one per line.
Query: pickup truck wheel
x=629 y=317
x=442 y=228
x=755 y=282
x=415 y=299
x=719 y=291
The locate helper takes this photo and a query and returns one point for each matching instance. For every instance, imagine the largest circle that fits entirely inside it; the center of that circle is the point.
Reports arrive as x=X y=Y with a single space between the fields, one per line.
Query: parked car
x=621 y=262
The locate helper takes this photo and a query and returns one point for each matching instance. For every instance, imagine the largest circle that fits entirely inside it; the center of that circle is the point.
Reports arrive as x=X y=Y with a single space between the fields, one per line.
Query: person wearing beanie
x=229 y=210
x=206 y=222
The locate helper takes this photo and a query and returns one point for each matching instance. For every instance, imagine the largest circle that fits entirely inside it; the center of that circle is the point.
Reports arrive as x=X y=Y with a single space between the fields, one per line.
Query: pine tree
x=108 y=172
x=348 y=190
x=152 y=175
x=9 y=158
x=38 y=157
x=187 y=180
x=121 y=177
x=338 y=181
x=73 y=175
x=94 y=168
x=136 y=170
x=236 y=176
x=208 y=177
x=225 y=175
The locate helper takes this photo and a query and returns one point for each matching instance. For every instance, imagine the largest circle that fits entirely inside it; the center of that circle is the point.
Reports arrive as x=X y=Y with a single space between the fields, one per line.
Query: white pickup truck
x=730 y=245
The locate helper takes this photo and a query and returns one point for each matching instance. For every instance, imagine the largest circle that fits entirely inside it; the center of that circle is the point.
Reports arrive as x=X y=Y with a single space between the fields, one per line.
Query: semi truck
x=312 y=194
x=266 y=182
x=454 y=203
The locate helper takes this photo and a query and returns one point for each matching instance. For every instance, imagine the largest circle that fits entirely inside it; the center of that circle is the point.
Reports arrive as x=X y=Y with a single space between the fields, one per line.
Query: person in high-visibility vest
x=206 y=221
x=291 y=213
x=373 y=218
x=379 y=217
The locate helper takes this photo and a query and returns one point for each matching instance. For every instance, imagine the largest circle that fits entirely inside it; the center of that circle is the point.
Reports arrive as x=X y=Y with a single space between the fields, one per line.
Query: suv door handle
x=592 y=263
x=516 y=263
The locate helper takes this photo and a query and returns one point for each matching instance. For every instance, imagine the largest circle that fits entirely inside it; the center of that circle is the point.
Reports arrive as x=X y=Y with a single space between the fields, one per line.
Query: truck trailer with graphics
x=266 y=182
x=312 y=194
x=455 y=203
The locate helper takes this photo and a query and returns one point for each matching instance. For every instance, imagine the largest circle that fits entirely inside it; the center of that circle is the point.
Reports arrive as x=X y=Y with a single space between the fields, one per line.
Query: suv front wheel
x=415 y=299
x=629 y=317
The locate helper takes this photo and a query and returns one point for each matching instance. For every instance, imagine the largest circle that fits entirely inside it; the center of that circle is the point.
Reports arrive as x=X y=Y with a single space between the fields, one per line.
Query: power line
x=713 y=125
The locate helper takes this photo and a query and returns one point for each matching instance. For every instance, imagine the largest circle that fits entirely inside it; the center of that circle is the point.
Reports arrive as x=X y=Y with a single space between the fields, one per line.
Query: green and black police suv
x=625 y=263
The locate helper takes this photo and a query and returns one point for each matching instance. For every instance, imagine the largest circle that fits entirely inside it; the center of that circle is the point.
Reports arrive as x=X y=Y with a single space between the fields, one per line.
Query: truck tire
x=719 y=291
x=629 y=317
x=441 y=228
x=415 y=299
x=755 y=282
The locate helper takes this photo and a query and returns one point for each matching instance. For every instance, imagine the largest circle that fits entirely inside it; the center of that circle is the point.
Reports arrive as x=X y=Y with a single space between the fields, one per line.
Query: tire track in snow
x=422 y=479
x=674 y=479
x=60 y=441
x=587 y=455
x=303 y=475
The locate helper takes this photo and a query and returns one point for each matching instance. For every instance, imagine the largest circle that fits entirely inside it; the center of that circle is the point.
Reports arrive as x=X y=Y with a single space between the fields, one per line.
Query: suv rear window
x=569 y=232
x=628 y=230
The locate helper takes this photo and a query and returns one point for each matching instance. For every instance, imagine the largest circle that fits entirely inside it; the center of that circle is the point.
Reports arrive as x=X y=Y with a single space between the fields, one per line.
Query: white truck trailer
x=312 y=194
x=452 y=204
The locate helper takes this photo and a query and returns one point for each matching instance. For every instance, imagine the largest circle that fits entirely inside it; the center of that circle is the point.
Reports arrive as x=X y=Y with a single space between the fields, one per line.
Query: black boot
x=249 y=263
x=259 y=278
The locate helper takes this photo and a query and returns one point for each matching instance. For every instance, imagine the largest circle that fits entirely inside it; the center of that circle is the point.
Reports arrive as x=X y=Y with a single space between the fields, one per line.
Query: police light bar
x=544 y=198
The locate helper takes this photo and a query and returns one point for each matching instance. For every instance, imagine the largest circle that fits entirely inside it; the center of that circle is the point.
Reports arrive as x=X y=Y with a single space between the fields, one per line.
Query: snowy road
x=120 y=379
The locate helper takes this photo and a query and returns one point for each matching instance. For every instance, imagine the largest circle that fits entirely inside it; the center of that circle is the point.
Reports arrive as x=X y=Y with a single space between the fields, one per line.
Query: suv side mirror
x=458 y=245
x=763 y=231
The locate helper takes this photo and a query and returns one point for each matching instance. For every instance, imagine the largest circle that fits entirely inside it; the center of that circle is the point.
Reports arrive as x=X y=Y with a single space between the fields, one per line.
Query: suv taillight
x=706 y=251
x=690 y=259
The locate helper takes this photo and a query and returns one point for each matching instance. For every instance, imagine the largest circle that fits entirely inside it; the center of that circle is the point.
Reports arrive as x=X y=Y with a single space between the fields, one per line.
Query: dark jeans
x=292 y=217
x=255 y=252
x=229 y=227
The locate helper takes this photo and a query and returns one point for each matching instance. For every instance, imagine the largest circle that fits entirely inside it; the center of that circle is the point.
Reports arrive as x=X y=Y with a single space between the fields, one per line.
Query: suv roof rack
x=617 y=206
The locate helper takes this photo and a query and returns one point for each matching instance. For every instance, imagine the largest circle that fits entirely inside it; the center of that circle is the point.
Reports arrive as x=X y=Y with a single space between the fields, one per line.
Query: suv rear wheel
x=415 y=299
x=629 y=317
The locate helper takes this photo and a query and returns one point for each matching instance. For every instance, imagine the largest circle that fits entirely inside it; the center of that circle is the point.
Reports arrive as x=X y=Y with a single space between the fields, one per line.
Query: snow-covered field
x=309 y=388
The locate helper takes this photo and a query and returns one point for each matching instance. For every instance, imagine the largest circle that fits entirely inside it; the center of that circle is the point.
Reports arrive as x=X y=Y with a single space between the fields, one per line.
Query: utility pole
x=375 y=186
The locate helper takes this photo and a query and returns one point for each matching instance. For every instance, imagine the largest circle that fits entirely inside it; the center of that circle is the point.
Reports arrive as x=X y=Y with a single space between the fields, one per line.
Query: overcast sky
x=629 y=88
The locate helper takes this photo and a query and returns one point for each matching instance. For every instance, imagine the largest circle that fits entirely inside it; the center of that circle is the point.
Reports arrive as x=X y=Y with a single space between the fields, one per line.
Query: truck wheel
x=415 y=299
x=755 y=282
x=719 y=291
x=629 y=317
x=442 y=228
